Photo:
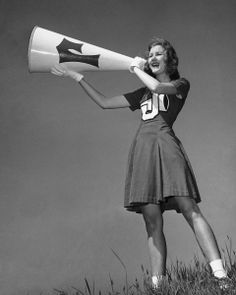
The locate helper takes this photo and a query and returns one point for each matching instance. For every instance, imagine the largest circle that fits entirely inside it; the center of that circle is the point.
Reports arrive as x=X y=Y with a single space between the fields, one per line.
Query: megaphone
x=47 y=48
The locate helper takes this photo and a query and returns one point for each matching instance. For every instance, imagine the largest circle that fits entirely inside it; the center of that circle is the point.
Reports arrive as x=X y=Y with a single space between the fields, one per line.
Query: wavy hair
x=172 y=60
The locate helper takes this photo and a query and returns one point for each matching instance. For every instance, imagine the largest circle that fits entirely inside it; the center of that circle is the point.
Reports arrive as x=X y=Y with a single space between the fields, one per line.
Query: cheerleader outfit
x=158 y=167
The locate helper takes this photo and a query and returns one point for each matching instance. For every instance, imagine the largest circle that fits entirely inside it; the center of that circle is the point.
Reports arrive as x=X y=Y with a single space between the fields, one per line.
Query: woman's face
x=157 y=59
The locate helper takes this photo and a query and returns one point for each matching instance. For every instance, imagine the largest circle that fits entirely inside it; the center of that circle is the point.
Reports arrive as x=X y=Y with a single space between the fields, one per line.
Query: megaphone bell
x=47 y=48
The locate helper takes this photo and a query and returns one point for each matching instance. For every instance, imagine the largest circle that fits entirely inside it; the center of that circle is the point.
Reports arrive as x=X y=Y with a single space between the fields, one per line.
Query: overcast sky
x=63 y=160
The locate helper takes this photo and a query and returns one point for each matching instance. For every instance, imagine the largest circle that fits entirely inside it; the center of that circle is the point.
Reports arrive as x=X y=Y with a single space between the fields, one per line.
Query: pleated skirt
x=158 y=169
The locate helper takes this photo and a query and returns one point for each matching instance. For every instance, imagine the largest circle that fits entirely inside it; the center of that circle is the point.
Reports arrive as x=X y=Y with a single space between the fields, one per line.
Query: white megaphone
x=47 y=48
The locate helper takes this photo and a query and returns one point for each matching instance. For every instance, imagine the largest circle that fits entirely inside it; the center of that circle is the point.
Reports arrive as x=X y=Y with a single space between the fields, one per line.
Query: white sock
x=218 y=269
x=156 y=280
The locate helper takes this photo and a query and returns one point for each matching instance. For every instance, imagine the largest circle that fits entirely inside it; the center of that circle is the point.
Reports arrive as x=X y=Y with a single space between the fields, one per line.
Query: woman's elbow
x=153 y=87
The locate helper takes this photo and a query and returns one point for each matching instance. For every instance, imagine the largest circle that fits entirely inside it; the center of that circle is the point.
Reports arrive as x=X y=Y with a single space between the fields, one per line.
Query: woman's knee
x=189 y=208
x=152 y=216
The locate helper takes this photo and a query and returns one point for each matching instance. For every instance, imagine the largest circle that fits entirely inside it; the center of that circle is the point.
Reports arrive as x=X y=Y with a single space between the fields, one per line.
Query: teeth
x=155 y=64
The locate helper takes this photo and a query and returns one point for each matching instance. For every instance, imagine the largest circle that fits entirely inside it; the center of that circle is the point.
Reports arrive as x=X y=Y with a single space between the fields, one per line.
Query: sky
x=63 y=159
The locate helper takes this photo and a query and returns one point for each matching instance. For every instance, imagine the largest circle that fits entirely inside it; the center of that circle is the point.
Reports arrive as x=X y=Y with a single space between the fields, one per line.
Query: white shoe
x=157 y=281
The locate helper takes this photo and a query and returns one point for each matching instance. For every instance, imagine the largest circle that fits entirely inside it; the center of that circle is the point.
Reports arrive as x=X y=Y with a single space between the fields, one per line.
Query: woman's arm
x=153 y=84
x=102 y=101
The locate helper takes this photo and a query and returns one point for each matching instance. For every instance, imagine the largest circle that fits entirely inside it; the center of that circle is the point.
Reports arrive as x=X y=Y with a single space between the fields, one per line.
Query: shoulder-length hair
x=172 y=60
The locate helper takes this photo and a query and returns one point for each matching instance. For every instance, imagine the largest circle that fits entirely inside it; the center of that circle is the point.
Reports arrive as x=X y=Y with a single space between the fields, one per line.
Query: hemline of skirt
x=168 y=203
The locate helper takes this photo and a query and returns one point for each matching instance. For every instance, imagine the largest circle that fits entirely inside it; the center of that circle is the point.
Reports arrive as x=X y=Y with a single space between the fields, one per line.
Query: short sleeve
x=135 y=97
x=182 y=85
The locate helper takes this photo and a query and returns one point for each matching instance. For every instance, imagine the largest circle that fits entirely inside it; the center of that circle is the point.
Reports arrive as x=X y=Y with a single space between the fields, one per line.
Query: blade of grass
x=126 y=274
x=87 y=286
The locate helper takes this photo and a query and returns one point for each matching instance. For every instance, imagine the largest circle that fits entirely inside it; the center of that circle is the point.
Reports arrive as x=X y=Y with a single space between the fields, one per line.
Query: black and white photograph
x=117 y=147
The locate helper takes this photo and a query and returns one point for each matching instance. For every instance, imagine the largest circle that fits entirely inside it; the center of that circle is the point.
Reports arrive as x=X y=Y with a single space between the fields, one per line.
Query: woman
x=159 y=175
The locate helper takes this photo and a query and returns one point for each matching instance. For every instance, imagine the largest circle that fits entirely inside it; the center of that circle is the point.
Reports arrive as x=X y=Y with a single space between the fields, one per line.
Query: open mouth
x=155 y=64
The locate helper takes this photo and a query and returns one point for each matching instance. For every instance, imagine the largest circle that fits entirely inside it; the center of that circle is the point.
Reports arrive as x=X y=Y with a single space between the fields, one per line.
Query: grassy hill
x=193 y=279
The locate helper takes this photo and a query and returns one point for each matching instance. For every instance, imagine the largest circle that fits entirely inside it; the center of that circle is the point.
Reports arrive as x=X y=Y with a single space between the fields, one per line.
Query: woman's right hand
x=62 y=71
x=137 y=62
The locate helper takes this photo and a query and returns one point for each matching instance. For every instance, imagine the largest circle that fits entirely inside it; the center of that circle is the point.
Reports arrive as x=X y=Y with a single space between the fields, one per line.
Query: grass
x=182 y=279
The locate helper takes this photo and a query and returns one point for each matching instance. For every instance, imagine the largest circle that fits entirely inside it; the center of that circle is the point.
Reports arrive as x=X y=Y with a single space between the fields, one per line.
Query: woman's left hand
x=137 y=62
x=62 y=71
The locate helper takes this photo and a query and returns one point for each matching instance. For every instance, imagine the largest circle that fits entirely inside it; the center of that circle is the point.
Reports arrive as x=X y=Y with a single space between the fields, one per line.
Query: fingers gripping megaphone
x=47 y=48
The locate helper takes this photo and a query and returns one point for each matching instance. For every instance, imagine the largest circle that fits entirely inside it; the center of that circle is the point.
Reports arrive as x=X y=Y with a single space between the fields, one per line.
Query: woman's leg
x=152 y=215
x=203 y=233
x=201 y=228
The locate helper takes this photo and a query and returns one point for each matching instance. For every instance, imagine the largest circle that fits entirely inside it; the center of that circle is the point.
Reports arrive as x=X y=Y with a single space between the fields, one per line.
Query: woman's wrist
x=78 y=77
x=133 y=68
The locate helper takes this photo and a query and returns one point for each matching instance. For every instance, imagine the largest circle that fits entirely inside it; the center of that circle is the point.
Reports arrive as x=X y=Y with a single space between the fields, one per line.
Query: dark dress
x=158 y=167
